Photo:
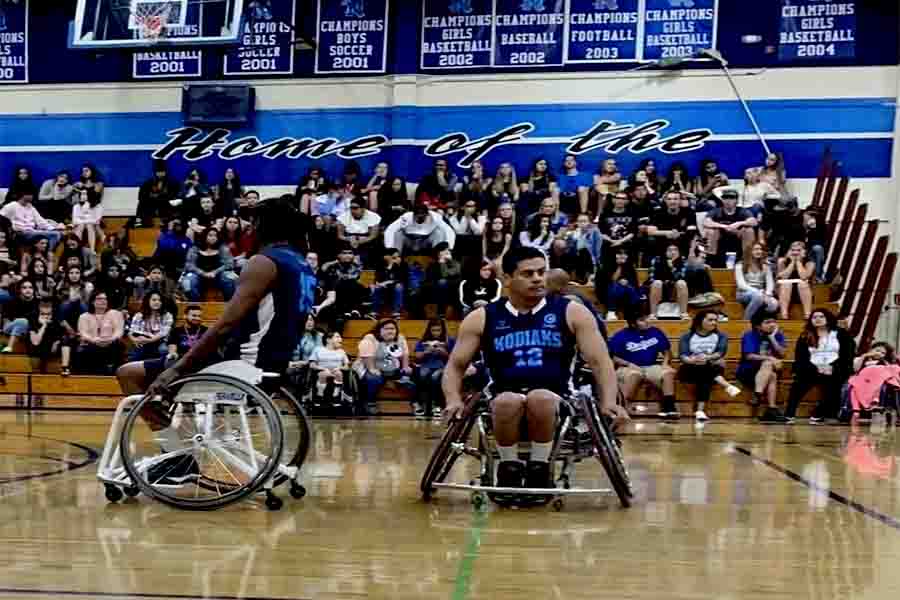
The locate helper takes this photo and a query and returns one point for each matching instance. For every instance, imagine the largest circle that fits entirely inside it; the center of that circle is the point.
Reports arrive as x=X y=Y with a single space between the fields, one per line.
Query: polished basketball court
x=733 y=510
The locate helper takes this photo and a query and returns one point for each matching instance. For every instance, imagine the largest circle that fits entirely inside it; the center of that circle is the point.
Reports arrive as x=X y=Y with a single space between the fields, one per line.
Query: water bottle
x=730 y=260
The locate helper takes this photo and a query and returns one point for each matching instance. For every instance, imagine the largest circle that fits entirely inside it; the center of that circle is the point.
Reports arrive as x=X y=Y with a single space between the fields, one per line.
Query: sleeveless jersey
x=269 y=336
x=528 y=351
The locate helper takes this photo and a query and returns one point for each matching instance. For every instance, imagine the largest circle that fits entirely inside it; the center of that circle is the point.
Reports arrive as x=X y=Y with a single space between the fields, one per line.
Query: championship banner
x=267 y=42
x=352 y=36
x=14 y=42
x=529 y=33
x=817 y=30
x=603 y=31
x=679 y=28
x=167 y=63
x=456 y=34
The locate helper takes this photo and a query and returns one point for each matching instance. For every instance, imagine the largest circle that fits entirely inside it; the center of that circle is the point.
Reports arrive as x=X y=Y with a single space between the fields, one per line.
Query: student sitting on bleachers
x=360 y=227
x=616 y=282
x=116 y=287
x=391 y=279
x=155 y=196
x=383 y=355
x=209 y=263
x=343 y=277
x=432 y=352
x=156 y=281
x=496 y=241
x=666 y=281
x=45 y=338
x=311 y=339
x=762 y=351
x=77 y=254
x=40 y=248
x=328 y=363
x=755 y=283
x=418 y=232
x=702 y=352
x=475 y=292
x=150 y=329
x=44 y=284
x=117 y=251
x=729 y=229
x=87 y=214
x=172 y=248
x=100 y=331
x=795 y=272
x=239 y=241
x=641 y=354
x=7 y=254
x=442 y=279
x=585 y=243
x=618 y=223
x=72 y=296
x=27 y=222
x=17 y=313
x=55 y=198
x=202 y=219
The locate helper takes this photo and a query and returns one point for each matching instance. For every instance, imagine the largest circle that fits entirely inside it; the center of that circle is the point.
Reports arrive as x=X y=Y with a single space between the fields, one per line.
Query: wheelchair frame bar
x=526 y=491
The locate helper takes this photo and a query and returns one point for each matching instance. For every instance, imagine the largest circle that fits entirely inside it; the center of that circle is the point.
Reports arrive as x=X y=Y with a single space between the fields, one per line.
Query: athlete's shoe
x=510 y=474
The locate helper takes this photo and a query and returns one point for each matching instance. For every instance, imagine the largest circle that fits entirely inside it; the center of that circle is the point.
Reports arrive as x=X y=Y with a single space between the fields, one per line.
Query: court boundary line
x=831 y=494
x=463 y=580
x=150 y=596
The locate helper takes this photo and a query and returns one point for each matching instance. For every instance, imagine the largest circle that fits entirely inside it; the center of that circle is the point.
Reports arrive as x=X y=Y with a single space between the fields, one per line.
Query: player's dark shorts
x=154 y=367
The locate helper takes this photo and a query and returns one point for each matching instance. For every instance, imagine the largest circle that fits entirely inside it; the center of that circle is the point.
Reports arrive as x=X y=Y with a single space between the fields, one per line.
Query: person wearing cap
x=641 y=354
x=343 y=277
x=729 y=226
x=418 y=232
x=762 y=351
x=360 y=227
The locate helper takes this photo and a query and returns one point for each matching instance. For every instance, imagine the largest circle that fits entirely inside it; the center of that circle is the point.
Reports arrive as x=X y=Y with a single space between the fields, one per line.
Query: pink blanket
x=865 y=386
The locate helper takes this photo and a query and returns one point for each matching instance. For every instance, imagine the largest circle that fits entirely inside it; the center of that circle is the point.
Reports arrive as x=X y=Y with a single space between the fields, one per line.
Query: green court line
x=470 y=554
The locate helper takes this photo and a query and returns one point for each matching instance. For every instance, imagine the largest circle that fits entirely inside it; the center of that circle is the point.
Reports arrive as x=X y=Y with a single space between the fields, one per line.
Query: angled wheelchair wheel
x=445 y=455
x=224 y=442
x=297 y=433
x=607 y=450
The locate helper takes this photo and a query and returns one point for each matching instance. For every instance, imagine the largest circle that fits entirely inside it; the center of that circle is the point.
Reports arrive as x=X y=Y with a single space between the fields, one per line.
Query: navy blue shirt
x=754 y=342
x=641 y=348
x=525 y=352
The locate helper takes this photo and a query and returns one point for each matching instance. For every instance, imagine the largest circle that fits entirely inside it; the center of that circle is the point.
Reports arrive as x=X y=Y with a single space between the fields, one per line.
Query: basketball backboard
x=119 y=23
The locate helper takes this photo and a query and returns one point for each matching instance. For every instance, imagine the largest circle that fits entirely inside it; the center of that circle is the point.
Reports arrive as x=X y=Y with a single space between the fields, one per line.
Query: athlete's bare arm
x=257 y=278
x=593 y=348
x=468 y=343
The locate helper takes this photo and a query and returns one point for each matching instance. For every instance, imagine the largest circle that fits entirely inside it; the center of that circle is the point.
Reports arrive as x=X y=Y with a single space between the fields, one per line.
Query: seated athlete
x=528 y=343
x=260 y=324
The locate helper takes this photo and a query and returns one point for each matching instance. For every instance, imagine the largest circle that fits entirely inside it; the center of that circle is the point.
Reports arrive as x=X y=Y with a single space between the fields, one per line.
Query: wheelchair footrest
x=528 y=491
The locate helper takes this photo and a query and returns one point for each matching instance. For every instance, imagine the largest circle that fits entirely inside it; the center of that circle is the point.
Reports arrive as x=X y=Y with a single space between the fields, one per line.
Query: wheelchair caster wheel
x=297 y=491
x=113 y=494
x=131 y=492
x=563 y=483
x=478 y=501
x=558 y=504
x=273 y=502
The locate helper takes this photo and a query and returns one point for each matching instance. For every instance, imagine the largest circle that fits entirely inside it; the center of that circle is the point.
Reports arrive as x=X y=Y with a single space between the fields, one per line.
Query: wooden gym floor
x=731 y=511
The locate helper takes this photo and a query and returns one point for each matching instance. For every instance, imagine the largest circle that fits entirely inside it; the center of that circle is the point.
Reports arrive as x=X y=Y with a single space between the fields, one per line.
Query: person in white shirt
x=56 y=197
x=86 y=216
x=329 y=362
x=360 y=228
x=418 y=232
x=27 y=222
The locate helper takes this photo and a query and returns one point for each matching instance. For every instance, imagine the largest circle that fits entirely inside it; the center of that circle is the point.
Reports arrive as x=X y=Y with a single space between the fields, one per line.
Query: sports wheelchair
x=582 y=433
x=226 y=439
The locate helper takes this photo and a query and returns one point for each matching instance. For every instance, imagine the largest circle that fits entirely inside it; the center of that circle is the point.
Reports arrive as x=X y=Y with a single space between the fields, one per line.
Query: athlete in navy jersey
x=262 y=322
x=528 y=342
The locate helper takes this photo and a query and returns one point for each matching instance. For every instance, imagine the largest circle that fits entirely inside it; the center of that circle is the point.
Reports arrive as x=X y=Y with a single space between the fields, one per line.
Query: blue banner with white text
x=603 y=31
x=267 y=42
x=679 y=28
x=817 y=30
x=352 y=36
x=457 y=34
x=14 y=42
x=529 y=33
x=167 y=63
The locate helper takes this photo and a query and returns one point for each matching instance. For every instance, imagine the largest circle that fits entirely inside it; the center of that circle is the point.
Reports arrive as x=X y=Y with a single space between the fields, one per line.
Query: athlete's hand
x=617 y=413
x=453 y=410
x=161 y=384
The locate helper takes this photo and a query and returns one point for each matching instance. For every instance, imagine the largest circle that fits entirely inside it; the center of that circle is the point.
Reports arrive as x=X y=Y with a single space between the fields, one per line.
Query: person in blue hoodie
x=172 y=248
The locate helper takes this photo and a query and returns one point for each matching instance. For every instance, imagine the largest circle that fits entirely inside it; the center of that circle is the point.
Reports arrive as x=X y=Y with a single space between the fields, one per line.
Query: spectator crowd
x=69 y=288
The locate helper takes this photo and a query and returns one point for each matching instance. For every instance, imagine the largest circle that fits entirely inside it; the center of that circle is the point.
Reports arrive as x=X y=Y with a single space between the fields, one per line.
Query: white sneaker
x=733 y=391
x=701 y=416
x=612 y=316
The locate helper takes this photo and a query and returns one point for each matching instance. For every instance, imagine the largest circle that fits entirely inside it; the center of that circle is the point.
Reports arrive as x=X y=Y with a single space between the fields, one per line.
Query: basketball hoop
x=151 y=20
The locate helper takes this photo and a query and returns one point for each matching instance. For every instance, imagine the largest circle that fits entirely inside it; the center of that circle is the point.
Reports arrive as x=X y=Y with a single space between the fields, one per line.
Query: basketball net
x=151 y=20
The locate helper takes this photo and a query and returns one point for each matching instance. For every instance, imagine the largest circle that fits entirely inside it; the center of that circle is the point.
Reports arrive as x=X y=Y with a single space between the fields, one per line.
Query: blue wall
x=51 y=61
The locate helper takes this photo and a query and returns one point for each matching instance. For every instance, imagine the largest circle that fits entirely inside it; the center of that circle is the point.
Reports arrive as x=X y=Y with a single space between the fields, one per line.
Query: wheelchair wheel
x=297 y=431
x=224 y=441
x=444 y=456
x=607 y=450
